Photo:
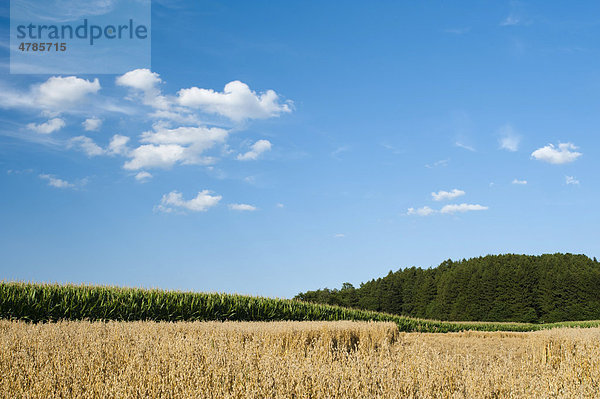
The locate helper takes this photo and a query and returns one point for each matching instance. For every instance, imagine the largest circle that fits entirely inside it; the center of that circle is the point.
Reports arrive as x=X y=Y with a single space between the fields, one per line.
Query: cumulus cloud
x=56 y=182
x=60 y=92
x=140 y=79
x=571 y=180
x=47 y=127
x=521 y=182
x=447 y=195
x=424 y=211
x=564 y=153
x=87 y=145
x=178 y=135
x=461 y=208
x=509 y=140
x=236 y=102
x=118 y=145
x=201 y=203
x=257 y=148
x=145 y=84
x=154 y=156
x=57 y=94
x=143 y=176
x=166 y=147
x=242 y=207
x=92 y=124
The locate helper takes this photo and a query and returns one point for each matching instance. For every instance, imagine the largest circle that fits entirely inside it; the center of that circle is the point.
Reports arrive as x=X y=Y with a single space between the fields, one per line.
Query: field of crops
x=52 y=302
x=83 y=359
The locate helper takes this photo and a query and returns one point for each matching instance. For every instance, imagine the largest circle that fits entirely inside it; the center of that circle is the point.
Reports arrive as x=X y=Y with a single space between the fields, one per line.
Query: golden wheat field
x=291 y=360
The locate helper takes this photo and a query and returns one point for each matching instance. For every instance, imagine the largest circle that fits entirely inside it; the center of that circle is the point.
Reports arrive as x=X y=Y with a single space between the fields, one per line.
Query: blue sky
x=276 y=147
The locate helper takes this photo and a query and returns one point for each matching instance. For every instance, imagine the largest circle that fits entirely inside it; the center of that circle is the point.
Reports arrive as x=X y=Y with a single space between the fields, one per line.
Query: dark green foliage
x=52 y=302
x=513 y=288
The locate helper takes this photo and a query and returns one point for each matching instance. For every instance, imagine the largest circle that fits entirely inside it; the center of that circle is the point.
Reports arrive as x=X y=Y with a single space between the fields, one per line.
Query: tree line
x=519 y=288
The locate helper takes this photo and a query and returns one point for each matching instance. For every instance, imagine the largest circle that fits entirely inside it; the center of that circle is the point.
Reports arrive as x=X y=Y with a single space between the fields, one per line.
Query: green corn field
x=52 y=302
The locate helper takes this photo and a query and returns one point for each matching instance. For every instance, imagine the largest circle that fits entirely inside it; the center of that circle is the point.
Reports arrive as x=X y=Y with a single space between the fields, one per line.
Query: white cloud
x=521 y=182
x=56 y=182
x=424 y=211
x=92 y=124
x=237 y=102
x=447 y=195
x=141 y=79
x=509 y=140
x=118 y=145
x=571 y=180
x=242 y=207
x=453 y=208
x=155 y=156
x=174 y=200
x=441 y=162
x=511 y=20
x=563 y=154
x=47 y=127
x=339 y=235
x=280 y=205
x=87 y=145
x=62 y=92
x=170 y=146
x=145 y=82
x=335 y=153
x=202 y=138
x=465 y=146
x=143 y=176
x=55 y=95
x=257 y=148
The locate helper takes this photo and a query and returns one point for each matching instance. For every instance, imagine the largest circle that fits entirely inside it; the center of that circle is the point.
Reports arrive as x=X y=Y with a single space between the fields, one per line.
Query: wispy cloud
x=519 y=182
x=511 y=20
x=242 y=207
x=335 y=153
x=465 y=146
x=457 y=31
x=446 y=209
x=424 y=211
x=54 y=181
x=461 y=208
x=441 y=162
x=509 y=139
x=571 y=180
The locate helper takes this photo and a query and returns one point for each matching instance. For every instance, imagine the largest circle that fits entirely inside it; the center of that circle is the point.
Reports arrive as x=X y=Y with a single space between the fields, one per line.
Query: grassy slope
x=50 y=302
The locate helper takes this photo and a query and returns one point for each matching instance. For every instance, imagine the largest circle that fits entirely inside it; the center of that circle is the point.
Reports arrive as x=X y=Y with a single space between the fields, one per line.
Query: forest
x=517 y=288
